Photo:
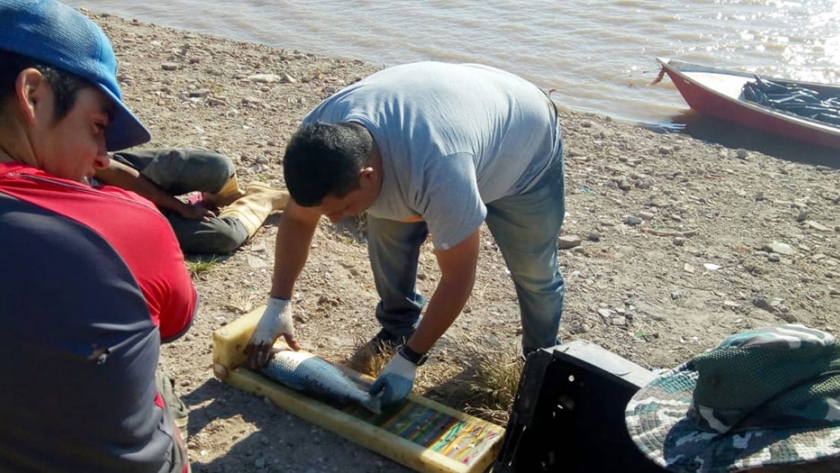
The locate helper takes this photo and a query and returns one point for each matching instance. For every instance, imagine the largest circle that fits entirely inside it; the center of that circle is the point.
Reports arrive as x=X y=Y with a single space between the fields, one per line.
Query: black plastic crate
x=568 y=415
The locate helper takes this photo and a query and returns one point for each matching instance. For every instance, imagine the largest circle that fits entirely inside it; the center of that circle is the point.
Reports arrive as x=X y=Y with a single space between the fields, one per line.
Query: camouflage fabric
x=763 y=397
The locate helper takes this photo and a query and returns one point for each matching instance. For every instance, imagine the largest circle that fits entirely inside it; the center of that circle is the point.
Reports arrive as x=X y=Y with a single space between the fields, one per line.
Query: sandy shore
x=670 y=243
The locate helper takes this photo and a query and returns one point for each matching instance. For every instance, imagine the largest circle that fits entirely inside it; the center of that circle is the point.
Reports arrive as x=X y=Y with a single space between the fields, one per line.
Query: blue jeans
x=525 y=228
x=394 y=250
x=180 y=171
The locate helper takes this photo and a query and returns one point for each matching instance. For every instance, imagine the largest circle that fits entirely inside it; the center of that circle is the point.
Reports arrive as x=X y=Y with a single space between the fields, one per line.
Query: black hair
x=65 y=86
x=325 y=159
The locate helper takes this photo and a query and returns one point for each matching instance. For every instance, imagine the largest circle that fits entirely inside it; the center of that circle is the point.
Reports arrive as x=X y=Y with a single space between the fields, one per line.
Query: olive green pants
x=179 y=412
x=180 y=171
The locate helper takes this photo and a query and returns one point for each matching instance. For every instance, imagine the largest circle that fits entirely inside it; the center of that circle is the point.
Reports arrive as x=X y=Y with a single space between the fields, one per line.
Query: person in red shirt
x=92 y=281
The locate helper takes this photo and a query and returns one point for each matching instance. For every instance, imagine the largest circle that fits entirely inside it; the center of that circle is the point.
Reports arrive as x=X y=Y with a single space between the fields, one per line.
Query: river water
x=598 y=54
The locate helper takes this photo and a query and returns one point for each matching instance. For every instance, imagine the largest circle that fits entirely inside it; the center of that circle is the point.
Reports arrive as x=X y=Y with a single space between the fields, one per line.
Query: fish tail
x=372 y=403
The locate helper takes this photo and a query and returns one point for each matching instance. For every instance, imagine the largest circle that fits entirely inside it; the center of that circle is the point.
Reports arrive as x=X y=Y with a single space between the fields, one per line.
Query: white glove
x=276 y=320
x=395 y=381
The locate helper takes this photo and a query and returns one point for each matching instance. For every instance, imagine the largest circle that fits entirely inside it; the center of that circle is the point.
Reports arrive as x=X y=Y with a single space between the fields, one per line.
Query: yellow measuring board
x=419 y=433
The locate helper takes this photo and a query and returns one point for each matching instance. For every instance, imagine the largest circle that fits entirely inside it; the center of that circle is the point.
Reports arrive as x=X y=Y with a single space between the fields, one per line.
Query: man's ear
x=367 y=174
x=30 y=89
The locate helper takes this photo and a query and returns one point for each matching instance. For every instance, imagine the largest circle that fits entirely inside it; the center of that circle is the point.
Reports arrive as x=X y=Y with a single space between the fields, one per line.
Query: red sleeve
x=132 y=225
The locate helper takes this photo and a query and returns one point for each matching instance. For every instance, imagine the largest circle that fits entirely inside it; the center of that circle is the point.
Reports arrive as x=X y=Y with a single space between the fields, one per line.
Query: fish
x=319 y=378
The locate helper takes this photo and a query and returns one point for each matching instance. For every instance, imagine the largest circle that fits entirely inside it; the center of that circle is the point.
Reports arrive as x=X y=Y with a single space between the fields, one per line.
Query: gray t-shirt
x=453 y=137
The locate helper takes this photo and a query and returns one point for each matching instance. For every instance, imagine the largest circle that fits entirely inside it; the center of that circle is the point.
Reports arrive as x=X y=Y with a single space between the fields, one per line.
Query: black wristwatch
x=412 y=356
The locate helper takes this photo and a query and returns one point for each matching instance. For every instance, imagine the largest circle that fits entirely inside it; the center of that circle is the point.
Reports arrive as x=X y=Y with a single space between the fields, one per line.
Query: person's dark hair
x=325 y=159
x=65 y=85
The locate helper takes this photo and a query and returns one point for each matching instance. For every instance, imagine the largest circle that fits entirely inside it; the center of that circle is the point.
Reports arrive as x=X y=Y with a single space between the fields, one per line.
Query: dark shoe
x=387 y=342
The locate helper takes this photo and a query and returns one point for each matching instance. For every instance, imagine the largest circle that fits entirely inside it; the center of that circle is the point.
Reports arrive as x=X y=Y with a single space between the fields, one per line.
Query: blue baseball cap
x=59 y=36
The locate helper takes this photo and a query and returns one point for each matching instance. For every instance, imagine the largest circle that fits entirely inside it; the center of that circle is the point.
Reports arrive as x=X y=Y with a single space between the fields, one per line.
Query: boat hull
x=708 y=94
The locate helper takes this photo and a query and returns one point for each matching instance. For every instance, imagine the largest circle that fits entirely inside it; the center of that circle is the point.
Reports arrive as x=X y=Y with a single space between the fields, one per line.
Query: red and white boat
x=720 y=93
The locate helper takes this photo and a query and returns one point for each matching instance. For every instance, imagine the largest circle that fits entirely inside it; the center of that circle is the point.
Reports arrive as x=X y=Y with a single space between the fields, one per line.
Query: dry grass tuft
x=198 y=265
x=486 y=384
x=366 y=361
x=485 y=388
x=494 y=380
